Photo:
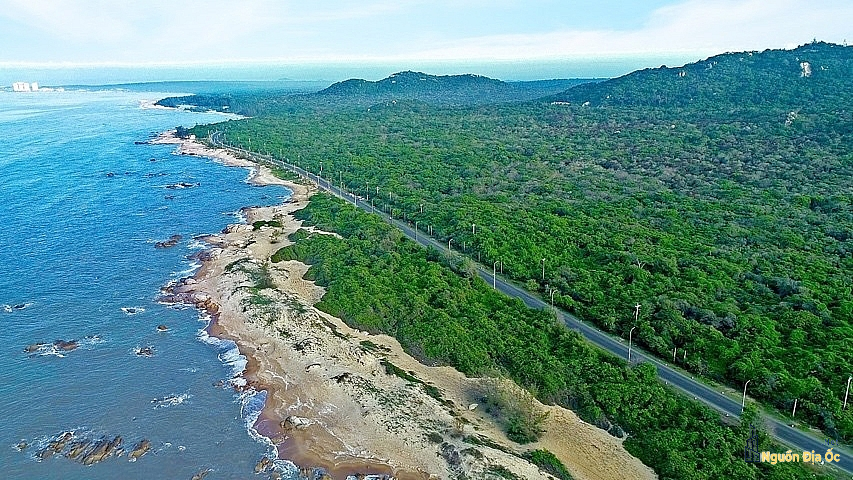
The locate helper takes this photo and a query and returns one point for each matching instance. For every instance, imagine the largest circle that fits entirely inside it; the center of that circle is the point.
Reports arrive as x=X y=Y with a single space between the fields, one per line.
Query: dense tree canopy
x=717 y=195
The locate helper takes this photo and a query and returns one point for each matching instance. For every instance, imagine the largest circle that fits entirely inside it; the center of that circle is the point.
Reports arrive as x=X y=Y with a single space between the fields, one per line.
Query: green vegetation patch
x=548 y=462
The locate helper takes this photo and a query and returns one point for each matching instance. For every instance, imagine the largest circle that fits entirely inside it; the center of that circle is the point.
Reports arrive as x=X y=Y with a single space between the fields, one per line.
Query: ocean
x=83 y=205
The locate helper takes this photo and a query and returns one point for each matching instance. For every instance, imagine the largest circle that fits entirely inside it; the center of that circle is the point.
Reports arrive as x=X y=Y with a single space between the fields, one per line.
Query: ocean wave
x=196 y=245
x=191 y=268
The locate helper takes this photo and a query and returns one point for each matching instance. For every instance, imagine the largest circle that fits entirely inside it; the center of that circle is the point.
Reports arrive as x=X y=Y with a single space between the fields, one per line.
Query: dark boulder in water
x=200 y=475
x=171 y=242
x=101 y=451
x=66 y=345
x=77 y=448
x=35 y=347
x=145 y=351
x=263 y=465
x=162 y=328
x=140 y=449
x=175 y=186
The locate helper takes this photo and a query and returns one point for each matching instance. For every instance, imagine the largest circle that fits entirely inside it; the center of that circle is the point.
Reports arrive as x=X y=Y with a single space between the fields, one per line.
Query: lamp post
x=553 y=290
x=495 y=275
x=743 y=402
x=448 y=244
x=630 y=339
x=847 y=391
x=543 y=269
x=416 y=231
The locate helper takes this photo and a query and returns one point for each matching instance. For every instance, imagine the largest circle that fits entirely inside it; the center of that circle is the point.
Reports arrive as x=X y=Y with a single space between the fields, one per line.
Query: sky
x=232 y=32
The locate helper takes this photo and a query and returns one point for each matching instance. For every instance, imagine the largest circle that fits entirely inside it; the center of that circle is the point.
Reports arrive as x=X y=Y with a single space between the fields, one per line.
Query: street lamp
x=448 y=243
x=743 y=402
x=630 y=338
x=847 y=391
x=416 y=231
x=543 y=269
x=495 y=275
x=553 y=290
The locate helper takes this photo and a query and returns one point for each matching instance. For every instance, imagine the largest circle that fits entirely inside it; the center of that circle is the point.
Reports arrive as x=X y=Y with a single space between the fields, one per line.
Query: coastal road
x=797 y=440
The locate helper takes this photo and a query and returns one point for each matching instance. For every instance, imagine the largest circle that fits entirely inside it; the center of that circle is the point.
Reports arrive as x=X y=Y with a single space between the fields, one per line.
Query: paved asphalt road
x=680 y=380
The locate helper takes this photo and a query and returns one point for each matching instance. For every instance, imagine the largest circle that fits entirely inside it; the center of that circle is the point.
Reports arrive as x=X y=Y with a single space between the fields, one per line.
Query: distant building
x=25 y=87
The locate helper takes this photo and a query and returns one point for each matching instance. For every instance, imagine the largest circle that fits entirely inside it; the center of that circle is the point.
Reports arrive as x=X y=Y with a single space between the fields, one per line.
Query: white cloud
x=347 y=30
x=695 y=26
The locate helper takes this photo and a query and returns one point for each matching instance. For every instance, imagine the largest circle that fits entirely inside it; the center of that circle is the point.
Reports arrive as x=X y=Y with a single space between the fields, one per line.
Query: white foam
x=193 y=266
x=170 y=400
x=132 y=310
x=196 y=245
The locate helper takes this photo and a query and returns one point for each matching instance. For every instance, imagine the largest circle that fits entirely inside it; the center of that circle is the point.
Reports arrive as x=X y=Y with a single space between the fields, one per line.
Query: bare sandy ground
x=331 y=404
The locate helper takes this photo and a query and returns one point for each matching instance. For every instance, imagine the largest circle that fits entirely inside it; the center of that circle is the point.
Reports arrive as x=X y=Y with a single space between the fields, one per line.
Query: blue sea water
x=77 y=247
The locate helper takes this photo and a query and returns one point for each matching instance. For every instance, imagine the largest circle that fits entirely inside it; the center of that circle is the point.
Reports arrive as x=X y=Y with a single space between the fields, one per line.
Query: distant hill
x=409 y=87
x=442 y=90
x=815 y=72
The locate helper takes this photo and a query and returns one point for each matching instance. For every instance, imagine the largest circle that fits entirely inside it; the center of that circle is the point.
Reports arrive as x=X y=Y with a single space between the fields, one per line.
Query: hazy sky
x=181 y=31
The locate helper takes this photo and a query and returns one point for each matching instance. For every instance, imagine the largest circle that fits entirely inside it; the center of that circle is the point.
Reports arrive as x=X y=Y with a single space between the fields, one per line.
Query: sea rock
x=101 y=451
x=140 y=449
x=66 y=345
x=295 y=423
x=171 y=242
x=179 y=185
x=77 y=448
x=237 y=228
x=200 y=475
x=162 y=328
x=34 y=347
x=145 y=351
x=263 y=465
x=22 y=445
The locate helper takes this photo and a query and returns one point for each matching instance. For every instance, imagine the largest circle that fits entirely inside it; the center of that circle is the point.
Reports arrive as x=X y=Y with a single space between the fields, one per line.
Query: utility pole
x=416 y=231
x=473 y=229
x=448 y=244
x=743 y=402
x=543 y=269
x=793 y=413
x=847 y=392
x=553 y=290
x=630 y=339
x=495 y=275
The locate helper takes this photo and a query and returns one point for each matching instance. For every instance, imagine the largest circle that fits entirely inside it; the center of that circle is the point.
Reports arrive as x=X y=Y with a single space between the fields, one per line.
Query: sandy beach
x=331 y=404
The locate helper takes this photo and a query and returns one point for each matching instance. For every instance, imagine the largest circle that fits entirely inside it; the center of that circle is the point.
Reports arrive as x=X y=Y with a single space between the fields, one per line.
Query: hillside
x=815 y=72
x=441 y=90
x=409 y=87
x=728 y=217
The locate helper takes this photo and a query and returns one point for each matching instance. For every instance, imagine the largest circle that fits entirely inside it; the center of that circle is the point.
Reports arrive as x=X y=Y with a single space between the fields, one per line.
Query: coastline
x=330 y=404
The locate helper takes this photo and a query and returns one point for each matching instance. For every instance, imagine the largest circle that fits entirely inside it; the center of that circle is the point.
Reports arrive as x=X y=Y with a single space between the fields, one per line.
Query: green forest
x=717 y=195
x=379 y=281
